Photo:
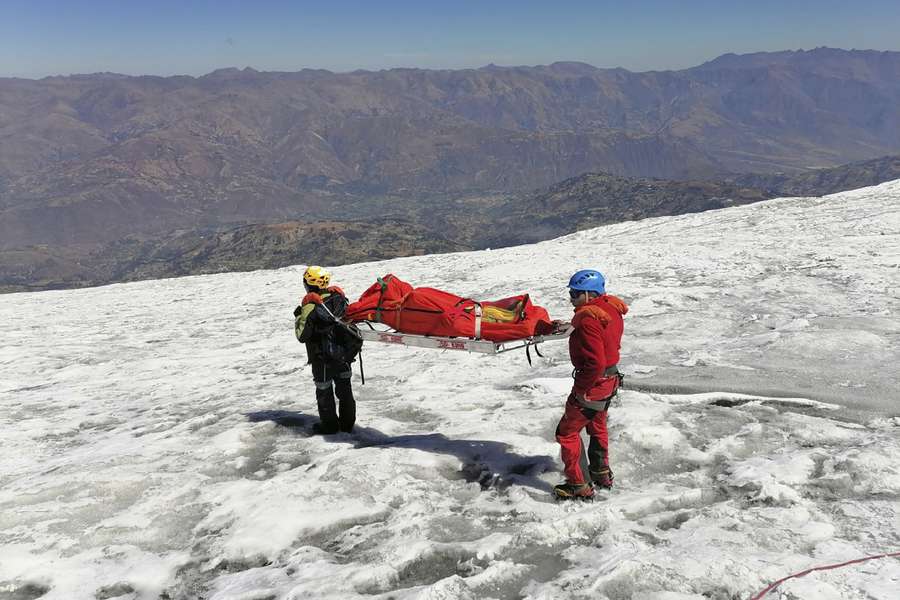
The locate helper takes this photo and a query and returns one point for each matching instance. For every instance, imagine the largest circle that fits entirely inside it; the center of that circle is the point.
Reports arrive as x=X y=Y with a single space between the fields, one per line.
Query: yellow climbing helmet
x=316 y=277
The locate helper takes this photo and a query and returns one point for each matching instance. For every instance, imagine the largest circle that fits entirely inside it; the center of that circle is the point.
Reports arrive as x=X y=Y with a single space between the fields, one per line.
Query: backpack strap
x=378 y=308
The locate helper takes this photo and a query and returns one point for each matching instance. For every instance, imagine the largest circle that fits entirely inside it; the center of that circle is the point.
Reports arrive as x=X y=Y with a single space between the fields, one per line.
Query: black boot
x=574 y=491
x=321 y=429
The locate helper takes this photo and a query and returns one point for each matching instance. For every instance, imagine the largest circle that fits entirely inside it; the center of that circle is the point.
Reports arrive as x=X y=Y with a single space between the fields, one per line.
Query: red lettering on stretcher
x=451 y=345
x=390 y=339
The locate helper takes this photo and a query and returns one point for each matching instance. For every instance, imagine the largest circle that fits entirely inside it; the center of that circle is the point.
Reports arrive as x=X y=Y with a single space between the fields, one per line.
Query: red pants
x=568 y=434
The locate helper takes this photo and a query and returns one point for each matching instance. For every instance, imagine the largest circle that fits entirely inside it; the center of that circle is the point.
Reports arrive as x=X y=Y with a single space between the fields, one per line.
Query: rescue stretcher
x=391 y=311
x=376 y=332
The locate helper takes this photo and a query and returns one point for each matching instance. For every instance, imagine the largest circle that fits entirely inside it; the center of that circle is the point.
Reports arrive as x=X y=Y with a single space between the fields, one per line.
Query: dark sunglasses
x=575 y=293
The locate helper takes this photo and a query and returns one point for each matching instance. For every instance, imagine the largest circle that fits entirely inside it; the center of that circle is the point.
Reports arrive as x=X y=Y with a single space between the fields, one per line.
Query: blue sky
x=46 y=37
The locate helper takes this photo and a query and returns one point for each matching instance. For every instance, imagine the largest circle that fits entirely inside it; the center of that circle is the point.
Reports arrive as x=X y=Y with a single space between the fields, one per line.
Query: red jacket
x=594 y=346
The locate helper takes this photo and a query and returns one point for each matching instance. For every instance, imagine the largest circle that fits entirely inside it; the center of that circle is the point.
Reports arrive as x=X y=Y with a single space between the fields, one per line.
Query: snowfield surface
x=155 y=437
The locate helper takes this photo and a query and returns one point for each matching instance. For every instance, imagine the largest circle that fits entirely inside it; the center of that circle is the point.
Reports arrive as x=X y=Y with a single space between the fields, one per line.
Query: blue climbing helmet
x=588 y=280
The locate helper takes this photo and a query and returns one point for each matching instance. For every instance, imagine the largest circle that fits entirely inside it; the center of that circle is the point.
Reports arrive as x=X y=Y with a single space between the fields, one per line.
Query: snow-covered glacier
x=155 y=437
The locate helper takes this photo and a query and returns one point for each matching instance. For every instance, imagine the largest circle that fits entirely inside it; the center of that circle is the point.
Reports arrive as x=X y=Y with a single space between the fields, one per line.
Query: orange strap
x=774 y=585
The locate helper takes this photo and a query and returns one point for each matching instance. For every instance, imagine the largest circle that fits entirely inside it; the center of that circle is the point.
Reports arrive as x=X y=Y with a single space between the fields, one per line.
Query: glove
x=559 y=326
x=580 y=397
x=311 y=297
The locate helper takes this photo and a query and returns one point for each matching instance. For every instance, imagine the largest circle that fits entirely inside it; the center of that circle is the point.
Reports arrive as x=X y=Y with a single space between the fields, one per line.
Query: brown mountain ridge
x=89 y=159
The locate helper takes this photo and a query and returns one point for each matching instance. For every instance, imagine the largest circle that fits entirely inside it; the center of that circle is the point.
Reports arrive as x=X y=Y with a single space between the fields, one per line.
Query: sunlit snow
x=156 y=436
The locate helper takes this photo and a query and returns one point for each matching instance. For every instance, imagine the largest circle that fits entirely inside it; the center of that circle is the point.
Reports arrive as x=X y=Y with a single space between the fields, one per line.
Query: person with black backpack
x=330 y=347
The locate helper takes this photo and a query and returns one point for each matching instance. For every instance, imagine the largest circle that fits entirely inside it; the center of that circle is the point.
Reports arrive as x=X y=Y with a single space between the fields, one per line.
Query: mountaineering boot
x=602 y=478
x=323 y=429
x=573 y=491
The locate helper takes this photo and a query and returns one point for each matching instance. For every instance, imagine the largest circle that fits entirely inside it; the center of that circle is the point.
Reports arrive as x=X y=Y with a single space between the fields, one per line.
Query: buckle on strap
x=612 y=371
x=478 y=321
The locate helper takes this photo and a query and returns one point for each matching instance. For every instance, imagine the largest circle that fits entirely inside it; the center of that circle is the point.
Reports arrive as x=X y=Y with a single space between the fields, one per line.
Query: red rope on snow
x=772 y=586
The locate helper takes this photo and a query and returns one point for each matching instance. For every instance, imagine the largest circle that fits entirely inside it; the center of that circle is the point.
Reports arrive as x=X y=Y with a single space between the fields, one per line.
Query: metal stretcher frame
x=389 y=336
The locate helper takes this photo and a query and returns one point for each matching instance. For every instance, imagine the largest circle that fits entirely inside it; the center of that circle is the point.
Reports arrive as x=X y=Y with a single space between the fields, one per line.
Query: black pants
x=331 y=380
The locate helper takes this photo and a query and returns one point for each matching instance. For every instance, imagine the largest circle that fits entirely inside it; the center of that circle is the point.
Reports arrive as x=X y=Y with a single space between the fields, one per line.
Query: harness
x=595 y=406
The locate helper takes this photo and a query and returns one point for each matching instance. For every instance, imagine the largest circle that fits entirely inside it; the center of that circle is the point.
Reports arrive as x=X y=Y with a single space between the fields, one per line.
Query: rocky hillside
x=444 y=224
x=196 y=252
x=826 y=181
x=598 y=199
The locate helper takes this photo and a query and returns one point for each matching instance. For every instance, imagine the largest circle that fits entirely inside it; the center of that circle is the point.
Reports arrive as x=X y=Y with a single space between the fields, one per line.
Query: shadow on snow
x=489 y=463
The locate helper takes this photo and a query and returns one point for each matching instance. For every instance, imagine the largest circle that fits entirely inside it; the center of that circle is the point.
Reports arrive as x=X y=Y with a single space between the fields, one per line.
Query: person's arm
x=590 y=348
x=302 y=327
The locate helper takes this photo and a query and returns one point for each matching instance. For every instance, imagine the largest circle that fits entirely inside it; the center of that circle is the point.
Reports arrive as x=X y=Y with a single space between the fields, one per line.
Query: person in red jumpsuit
x=594 y=350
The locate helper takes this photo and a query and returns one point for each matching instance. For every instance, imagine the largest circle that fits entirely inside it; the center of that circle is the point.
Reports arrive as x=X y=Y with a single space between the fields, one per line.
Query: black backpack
x=341 y=342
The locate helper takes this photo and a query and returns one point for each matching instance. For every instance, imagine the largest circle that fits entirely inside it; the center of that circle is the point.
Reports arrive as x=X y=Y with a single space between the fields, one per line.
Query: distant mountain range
x=87 y=161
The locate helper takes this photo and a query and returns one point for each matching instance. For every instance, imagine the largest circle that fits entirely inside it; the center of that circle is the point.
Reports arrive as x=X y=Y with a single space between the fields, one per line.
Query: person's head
x=315 y=278
x=586 y=284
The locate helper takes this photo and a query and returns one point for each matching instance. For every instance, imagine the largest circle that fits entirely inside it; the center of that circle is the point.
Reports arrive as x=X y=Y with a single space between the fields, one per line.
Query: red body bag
x=428 y=311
